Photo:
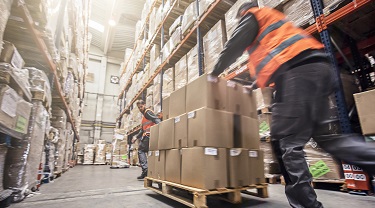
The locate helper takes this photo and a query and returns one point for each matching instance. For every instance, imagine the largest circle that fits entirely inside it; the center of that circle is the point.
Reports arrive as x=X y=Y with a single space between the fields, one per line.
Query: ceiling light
x=112 y=22
x=96 y=26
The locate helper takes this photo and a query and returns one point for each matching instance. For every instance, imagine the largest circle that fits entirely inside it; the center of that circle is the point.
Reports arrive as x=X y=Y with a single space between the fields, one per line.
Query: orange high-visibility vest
x=277 y=42
x=146 y=124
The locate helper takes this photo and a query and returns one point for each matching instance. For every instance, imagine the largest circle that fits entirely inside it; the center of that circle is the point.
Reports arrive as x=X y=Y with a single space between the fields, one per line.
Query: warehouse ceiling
x=112 y=40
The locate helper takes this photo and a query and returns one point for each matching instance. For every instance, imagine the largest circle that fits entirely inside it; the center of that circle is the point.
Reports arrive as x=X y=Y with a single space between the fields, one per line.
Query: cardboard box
x=151 y=160
x=160 y=164
x=9 y=54
x=178 y=98
x=238 y=167
x=206 y=91
x=264 y=97
x=240 y=100
x=166 y=108
x=364 y=102
x=166 y=134
x=173 y=165
x=204 y=168
x=231 y=21
x=154 y=137
x=192 y=64
x=210 y=128
x=23 y=116
x=181 y=71
x=256 y=167
x=213 y=44
x=246 y=132
x=181 y=131
x=8 y=106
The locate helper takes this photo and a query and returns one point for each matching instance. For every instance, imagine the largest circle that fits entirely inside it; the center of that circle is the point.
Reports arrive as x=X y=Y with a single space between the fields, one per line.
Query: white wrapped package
x=181 y=70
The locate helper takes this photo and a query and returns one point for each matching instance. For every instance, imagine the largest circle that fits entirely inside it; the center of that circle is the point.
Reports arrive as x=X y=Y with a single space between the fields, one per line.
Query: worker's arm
x=149 y=115
x=242 y=37
x=140 y=133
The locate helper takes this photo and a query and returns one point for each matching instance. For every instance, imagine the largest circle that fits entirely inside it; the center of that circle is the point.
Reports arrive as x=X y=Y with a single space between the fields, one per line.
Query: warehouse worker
x=286 y=55
x=148 y=119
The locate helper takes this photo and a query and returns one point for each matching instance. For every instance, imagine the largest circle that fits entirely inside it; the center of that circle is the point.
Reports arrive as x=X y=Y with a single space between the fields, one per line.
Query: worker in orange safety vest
x=148 y=120
x=296 y=63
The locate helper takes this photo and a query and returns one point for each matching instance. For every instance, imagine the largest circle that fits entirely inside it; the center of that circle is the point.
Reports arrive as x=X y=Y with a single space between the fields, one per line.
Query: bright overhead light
x=112 y=22
x=97 y=26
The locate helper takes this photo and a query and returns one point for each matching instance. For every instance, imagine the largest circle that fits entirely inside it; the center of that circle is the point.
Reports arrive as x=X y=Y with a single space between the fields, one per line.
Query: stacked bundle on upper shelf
x=5 y=7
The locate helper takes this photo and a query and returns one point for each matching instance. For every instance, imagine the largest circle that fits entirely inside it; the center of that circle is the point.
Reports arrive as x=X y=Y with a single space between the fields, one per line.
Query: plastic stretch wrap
x=128 y=53
x=8 y=104
x=158 y=16
x=231 y=21
x=100 y=154
x=150 y=90
x=68 y=146
x=149 y=101
x=166 y=50
x=177 y=23
x=39 y=83
x=270 y=3
x=156 y=89
x=21 y=76
x=168 y=82
x=60 y=151
x=58 y=119
x=203 y=6
x=73 y=65
x=190 y=15
x=15 y=165
x=54 y=135
x=146 y=9
x=152 y=26
x=154 y=53
x=69 y=86
x=263 y=97
x=181 y=70
x=192 y=63
x=175 y=39
x=166 y=8
x=36 y=133
x=213 y=44
x=49 y=149
x=298 y=11
x=5 y=7
x=138 y=28
x=321 y=164
x=89 y=154
x=3 y=153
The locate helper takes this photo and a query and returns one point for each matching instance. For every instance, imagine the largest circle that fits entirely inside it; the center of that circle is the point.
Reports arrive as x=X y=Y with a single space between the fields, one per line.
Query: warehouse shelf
x=147 y=49
x=330 y=19
x=154 y=4
x=29 y=23
x=208 y=19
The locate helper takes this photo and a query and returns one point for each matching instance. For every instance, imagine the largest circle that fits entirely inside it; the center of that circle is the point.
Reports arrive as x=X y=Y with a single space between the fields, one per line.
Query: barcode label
x=157 y=153
x=231 y=84
x=235 y=152
x=253 y=153
x=210 y=151
x=150 y=153
x=191 y=114
x=177 y=119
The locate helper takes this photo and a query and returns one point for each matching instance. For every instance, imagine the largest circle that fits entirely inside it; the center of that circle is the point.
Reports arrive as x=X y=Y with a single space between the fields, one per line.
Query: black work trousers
x=300 y=113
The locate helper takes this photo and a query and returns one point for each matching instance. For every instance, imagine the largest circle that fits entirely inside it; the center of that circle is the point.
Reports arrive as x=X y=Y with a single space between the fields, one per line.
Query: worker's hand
x=134 y=139
x=248 y=87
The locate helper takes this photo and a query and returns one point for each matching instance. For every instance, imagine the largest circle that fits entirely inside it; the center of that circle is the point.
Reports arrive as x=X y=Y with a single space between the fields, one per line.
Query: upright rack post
x=325 y=37
x=161 y=71
x=199 y=42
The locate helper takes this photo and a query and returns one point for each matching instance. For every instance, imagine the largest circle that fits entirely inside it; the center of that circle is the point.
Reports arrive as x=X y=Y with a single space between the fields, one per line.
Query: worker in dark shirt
x=286 y=55
x=148 y=119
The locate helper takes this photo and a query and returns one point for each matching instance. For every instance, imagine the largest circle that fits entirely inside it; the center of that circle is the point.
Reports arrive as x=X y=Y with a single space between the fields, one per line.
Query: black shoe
x=143 y=175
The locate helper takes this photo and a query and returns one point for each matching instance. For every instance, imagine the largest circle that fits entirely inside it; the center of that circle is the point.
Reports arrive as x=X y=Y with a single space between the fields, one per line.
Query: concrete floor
x=100 y=186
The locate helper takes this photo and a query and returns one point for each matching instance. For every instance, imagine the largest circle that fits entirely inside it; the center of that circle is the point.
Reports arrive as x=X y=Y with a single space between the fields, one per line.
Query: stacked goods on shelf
x=168 y=82
x=108 y=153
x=190 y=15
x=68 y=146
x=39 y=85
x=60 y=151
x=181 y=73
x=5 y=7
x=155 y=60
x=100 y=153
x=231 y=21
x=156 y=94
x=321 y=164
x=79 y=151
x=213 y=44
x=3 y=153
x=226 y=154
x=192 y=64
x=149 y=97
x=176 y=24
x=364 y=102
x=89 y=154
x=119 y=152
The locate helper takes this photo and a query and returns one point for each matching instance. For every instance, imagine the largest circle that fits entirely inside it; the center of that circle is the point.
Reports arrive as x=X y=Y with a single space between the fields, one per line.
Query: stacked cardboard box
x=177 y=23
x=181 y=70
x=231 y=21
x=190 y=15
x=190 y=149
x=168 y=82
x=3 y=153
x=192 y=64
x=157 y=94
x=89 y=154
x=364 y=102
x=100 y=151
x=213 y=44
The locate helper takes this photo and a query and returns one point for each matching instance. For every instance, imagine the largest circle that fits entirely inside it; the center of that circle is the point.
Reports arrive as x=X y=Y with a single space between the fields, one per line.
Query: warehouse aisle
x=99 y=186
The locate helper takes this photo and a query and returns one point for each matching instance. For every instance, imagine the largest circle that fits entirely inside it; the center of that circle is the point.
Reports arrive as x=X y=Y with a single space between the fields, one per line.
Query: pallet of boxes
x=207 y=145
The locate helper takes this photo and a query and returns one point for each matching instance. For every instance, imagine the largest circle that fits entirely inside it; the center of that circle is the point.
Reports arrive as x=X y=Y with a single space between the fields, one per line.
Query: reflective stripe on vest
x=146 y=124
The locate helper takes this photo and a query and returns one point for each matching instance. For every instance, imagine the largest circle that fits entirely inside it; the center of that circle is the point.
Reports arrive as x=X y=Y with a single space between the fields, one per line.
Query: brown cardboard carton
x=173 y=165
x=10 y=55
x=160 y=164
x=204 y=168
x=166 y=108
x=364 y=102
x=238 y=167
x=206 y=91
x=210 y=128
x=249 y=133
x=151 y=160
x=240 y=100
x=154 y=137
x=181 y=131
x=178 y=100
x=8 y=106
x=166 y=134
x=256 y=166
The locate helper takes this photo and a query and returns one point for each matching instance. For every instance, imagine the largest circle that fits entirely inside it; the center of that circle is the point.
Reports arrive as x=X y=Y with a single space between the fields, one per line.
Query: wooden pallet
x=57 y=174
x=273 y=178
x=265 y=110
x=198 y=197
x=339 y=185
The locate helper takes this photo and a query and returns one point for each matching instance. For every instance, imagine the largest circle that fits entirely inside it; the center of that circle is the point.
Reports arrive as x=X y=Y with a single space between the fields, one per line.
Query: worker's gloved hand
x=249 y=87
x=134 y=139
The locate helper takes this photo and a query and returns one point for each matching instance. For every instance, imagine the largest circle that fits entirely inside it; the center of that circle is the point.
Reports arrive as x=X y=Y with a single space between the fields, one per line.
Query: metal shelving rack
x=29 y=23
x=195 y=35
